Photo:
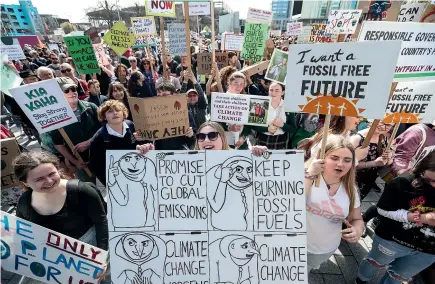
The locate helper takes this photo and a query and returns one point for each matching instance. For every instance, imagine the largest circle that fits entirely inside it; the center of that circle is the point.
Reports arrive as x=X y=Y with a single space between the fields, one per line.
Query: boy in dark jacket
x=95 y=95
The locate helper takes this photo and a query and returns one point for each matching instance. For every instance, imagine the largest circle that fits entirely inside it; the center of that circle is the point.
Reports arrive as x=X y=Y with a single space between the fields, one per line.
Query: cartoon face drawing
x=138 y=246
x=242 y=250
x=242 y=175
x=132 y=165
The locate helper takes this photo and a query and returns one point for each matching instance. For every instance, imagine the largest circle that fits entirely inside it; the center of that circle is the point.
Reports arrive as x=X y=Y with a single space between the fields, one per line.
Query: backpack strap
x=74 y=185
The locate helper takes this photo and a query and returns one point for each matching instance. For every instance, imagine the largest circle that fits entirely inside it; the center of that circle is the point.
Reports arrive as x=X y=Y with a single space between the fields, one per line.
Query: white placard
x=198 y=8
x=294 y=29
x=259 y=16
x=160 y=8
x=14 y=52
x=45 y=255
x=53 y=46
x=143 y=26
x=416 y=61
x=346 y=79
x=411 y=12
x=45 y=105
x=343 y=21
x=177 y=39
x=234 y=42
x=240 y=109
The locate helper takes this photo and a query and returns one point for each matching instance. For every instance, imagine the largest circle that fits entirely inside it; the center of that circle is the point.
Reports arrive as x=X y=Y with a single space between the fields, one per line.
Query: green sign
x=255 y=42
x=9 y=79
x=81 y=50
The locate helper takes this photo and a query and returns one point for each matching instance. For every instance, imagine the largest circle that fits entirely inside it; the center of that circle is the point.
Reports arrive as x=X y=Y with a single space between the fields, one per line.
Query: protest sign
x=47 y=256
x=143 y=26
x=277 y=70
x=45 y=105
x=412 y=102
x=320 y=34
x=160 y=117
x=53 y=46
x=160 y=8
x=416 y=61
x=14 y=52
x=81 y=50
x=240 y=109
x=119 y=38
x=343 y=21
x=100 y=54
x=9 y=150
x=176 y=204
x=233 y=42
x=429 y=14
x=346 y=79
x=9 y=79
x=205 y=61
x=294 y=29
x=198 y=8
x=177 y=39
x=411 y=12
x=254 y=43
x=259 y=16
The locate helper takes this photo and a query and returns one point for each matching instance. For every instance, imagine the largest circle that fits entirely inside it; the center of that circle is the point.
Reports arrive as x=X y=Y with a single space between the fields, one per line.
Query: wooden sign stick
x=393 y=135
x=187 y=27
x=324 y=140
x=212 y=31
x=71 y=146
x=162 y=36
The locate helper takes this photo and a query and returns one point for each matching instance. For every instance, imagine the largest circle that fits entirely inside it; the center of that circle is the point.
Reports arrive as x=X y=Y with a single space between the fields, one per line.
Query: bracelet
x=310 y=177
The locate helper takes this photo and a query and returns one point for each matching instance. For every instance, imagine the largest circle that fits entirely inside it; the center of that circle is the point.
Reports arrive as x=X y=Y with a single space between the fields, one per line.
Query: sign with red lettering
x=259 y=16
x=160 y=8
x=47 y=256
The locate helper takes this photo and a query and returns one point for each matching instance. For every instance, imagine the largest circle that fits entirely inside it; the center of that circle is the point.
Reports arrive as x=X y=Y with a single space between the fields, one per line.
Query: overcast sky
x=75 y=10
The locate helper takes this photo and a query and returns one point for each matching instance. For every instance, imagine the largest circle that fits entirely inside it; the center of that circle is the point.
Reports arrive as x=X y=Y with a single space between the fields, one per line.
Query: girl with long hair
x=118 y=92
x=121 y=74
x=137 y=87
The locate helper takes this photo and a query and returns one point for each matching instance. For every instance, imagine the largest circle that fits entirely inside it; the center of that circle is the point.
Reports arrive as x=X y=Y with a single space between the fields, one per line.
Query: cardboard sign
x=343 y=21
x=240 y=109
x=143 y=26
x=205 y=61
x=411 y=12
x=198 y=8
x=416 y=61
x=255 y=42
x=412 y=102
x=14 y=52
x=259 y=16
x=81 y=50
x=10 y=150
x=346 y=79
x=160 y=117
x=47 y=256
x=100 y=54
x=256 y=68
x=9 y=79
x=294 y=29
x=320 y=34
x=277 y=70
x=234 y=42
x=45 y=105
x=119 y=38
x=177 y=39
x=160 y=8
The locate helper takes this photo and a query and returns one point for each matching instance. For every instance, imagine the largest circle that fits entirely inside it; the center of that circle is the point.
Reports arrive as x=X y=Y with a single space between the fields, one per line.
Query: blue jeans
x=402 y=263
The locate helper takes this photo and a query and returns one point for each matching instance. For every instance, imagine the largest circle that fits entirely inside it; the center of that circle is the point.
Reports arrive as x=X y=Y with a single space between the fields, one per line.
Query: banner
x=81 y=50
x=160 y=8
x=416 y=61
x=45 y=105
x=205 y=61
x=143 y=26
x=411 y=12
x=294 y=29
x=100 y=54
x=207 y=217
x=9 y=150
x=255 y=42
x=240 y=109
x=14 y=52
x=160 y=117
x=343 y=21
x=346 y=79
x=234 y=42
x=177 y=39
x=277 y=69
x=198 y=8
x=9 y=79
x=412 y=102
x=258 y=16
x=45 y=255
x=119 y=38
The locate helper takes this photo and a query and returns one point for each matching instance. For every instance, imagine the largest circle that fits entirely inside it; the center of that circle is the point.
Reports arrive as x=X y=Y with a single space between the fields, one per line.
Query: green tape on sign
x=82 y=53
x=255 y=42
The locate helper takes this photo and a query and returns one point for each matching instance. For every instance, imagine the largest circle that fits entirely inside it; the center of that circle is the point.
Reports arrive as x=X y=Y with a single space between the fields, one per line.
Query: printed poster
x=343 y=21
x=100 y=54
x=277 y=69
x=294 y=29
x=199 y=8
x=160 y=8
x=119 y=38
x=177 y=39
x=255 y=42
x=14 y=52
x=259 y=16
x=143 y=26
x=234 y=42
x=81 y=50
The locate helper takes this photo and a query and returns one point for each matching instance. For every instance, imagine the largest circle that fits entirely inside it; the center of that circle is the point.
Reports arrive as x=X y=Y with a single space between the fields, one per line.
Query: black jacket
x=97 y=100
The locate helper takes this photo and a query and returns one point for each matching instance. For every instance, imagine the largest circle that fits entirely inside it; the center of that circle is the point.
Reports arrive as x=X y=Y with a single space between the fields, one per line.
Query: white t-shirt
x=276 y=113
x=325 y=214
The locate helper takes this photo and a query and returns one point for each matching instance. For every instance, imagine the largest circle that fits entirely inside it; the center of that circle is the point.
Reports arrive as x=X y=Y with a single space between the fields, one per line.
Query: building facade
x=318 y=11
x=282 y=13
x=20 y=19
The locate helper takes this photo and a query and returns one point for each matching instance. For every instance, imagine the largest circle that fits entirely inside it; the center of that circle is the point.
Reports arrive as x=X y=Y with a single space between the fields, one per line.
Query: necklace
x=328 y=185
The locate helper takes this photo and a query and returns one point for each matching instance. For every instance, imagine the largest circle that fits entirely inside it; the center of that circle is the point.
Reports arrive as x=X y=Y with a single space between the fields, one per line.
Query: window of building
x=13 y=17
x=19 y=10
x=2 y=9
x=22 y=17
x=10 y=10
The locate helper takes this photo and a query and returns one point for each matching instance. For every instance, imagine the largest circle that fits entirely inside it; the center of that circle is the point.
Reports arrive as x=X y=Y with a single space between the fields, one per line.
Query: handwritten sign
x=205 y=61
x=411 y=12
x=177 y=39
x=100 y=54
x=412 y=102
x=45 y=105
x=320 y=34
x=233 y=42
x=277 y=69
x=143 y=26
x=255 y=42
x=294 y=29
x=160 y=8
x=416 y=61
x=160 y=117
x=346 y=79
x=198 y=8
x=81 y=50
x=240 y=109
x=9 y=79
x=119 y=38
x=343 y=21
x=259 y=16
x=48 y=256
x=9 y=150
x=14 y=52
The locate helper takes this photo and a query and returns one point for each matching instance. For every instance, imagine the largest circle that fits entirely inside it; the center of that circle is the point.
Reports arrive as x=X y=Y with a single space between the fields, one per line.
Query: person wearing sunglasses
x=82 y=87
x=55 y=65
x=405 y=236
x=197 y=104
x=63 y=58
x=133 y=65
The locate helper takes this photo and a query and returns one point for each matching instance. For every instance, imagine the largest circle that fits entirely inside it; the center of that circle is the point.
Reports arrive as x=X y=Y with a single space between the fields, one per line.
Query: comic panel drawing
x=136 y=258
x=132 y=190
x=282 y=258
x=186 y=258
x=234 y=258
x=182 y=191
x=229 y=190
x=279 y=193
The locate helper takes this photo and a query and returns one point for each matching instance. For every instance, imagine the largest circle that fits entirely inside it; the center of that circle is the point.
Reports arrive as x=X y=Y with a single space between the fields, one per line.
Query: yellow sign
x=119 y=38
